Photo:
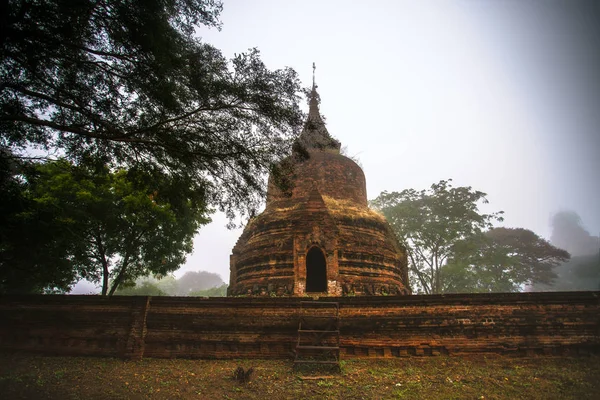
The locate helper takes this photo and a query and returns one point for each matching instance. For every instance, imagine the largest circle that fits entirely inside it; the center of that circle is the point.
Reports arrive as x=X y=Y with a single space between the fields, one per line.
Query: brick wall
x=133 y=327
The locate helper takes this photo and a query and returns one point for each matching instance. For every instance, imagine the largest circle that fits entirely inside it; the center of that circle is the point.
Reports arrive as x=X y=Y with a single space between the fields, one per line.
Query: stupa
x=317 y=234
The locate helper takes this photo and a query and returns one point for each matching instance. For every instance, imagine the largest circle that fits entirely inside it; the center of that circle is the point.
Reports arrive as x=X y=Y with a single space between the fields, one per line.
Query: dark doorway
x=316 y=271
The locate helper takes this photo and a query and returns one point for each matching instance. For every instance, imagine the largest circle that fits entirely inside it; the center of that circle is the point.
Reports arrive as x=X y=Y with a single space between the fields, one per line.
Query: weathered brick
x=185 y=327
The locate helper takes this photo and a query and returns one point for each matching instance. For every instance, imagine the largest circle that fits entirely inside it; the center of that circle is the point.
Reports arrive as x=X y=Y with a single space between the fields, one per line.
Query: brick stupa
x=319 y=235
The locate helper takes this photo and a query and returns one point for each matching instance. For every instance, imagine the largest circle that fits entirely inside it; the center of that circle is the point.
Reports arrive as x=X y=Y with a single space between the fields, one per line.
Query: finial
x=315 y=135
x=314 y=98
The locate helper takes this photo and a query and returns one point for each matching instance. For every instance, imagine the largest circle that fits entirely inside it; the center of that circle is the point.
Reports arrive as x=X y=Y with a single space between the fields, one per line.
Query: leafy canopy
x=107 y=227
x=502 y=260
x=126 y=82
x=430 y=223
x=33 y=251
x=192 y=283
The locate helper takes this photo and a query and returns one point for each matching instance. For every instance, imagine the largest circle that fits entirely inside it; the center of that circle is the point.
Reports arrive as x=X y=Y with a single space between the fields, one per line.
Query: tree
x=126 y=82
x=168 y=284
x=582 y=271
x=501 y=260
x=110 y=227
x=32 y=251
x=568 y=233
x=149 y=286
x=193 y=281
x=430 y=223
x=145 y=288
x=578 y=273
x=217 y=291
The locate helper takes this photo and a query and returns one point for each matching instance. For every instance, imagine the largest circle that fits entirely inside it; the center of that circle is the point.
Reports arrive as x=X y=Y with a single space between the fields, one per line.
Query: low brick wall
x=185 y=327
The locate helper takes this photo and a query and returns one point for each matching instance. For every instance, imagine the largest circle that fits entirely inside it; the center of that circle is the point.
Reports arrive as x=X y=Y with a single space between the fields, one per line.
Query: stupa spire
x=314 y=134
x=313 y=101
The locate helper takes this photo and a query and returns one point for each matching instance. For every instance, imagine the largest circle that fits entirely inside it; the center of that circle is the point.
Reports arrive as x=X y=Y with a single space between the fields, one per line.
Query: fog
x=503 y=96
x=582 y=271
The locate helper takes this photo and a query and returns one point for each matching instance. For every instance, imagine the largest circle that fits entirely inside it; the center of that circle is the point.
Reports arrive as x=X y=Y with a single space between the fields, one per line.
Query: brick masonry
x=371 y=326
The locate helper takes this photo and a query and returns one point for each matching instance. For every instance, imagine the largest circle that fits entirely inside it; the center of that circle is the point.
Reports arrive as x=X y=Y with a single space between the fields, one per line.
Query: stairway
x=318 y=334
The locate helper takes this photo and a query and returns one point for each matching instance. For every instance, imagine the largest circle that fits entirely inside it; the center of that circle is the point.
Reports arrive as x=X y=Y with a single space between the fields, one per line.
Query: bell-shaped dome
x=332 y=174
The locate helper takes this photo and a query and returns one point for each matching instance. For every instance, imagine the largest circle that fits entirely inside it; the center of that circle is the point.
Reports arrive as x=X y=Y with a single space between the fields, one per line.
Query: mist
x=502 y=96
x=191 y=283
x=582 y=271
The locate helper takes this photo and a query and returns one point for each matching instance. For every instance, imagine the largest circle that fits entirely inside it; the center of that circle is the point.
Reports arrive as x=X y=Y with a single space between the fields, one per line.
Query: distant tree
x=220 y=291
x=145 y=288
x=501 y=260
x=568 y=233
x=107 y=227
x=149 y=286
x=194 y=281
x=168 y=285
x=587 y=269
x=582 y=271
x=127 y=82
x=579 y=273
x=430 y=223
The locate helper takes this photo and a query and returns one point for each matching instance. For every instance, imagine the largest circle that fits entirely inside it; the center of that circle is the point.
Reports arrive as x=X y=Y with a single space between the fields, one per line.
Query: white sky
x=499 y=95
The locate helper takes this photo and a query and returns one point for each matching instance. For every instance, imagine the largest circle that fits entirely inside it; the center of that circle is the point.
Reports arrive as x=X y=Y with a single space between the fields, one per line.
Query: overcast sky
x=503 y=96
x=500 y=95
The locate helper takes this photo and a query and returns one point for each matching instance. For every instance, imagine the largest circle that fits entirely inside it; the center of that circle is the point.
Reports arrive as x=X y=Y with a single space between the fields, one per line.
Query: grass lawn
x=491 y=377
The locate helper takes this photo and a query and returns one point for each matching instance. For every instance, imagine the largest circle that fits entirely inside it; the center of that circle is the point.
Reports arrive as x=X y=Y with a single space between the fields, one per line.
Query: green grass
x=491 y=377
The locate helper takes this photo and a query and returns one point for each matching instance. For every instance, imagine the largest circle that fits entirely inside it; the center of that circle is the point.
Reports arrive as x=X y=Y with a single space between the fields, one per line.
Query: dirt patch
x=492 y=377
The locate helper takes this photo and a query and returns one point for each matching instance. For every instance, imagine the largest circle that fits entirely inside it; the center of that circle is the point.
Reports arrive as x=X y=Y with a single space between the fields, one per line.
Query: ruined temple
x=317 y=233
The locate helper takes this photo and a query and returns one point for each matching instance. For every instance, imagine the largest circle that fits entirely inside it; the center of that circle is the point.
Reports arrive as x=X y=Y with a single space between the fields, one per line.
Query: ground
x=490 y=377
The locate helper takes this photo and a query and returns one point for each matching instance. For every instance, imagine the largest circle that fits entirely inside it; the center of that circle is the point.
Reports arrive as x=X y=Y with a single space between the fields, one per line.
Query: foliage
x=192 y=283
x=220 y=291
x=146 y=288
x=108 y=226
x=242 y=376
x=195 y=281
x=501 y=260
x=579 y=273
x=569 y=234
x=582 y=271
x=32 y=250
x=430 y=223
x=126 y=82
x=168 y=284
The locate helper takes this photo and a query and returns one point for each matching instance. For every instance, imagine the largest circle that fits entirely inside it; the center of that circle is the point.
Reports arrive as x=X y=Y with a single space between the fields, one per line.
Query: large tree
x=128 y=82
x=107 y=227
x=32 y=250
x=430 y=223
x=501 y=260
x=193 y=281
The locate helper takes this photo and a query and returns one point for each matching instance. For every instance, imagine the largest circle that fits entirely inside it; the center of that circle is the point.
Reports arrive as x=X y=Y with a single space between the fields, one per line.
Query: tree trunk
x=105 y=273
x=119 y=278
x=104 y=261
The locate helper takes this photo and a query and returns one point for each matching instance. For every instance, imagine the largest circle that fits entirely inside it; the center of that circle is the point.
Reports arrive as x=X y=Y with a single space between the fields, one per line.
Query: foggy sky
x=500 y=95
x=503 y=96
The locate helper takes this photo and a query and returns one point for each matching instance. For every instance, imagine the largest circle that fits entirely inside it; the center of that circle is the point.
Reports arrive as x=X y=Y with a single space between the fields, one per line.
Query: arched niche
x=316 y=271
